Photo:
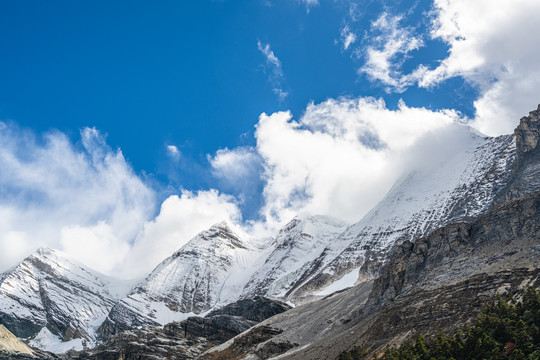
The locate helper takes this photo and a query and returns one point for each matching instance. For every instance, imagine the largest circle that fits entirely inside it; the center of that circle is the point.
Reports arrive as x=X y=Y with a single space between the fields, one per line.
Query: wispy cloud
x=173 y=152
x=347 y=37
x=388 y=49
x=494 y=48
x=276 y=76
x=309 y=3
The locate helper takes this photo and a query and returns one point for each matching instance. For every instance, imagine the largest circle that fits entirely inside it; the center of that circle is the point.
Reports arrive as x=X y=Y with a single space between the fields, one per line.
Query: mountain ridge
x=311 y=257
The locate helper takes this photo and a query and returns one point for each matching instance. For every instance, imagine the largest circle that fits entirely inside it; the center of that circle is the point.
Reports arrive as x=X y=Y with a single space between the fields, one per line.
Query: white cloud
x=493 y=46
x=68 y=197
x=340 y=158
x=173 y=152
x=496 y=47
x=388 y=50
x=273 y=66
x=347 y=37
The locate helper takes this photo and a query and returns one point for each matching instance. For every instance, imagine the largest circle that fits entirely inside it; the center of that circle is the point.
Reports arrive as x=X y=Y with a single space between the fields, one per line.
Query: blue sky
x=186 y=73
x=179 y=88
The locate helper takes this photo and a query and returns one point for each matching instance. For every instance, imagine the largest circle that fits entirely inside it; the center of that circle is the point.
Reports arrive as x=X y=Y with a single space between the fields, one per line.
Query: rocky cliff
x=525 y=175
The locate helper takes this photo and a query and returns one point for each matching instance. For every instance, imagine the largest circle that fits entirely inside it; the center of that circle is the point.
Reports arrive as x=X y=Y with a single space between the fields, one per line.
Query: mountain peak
x=221 y=226
x=528 y=133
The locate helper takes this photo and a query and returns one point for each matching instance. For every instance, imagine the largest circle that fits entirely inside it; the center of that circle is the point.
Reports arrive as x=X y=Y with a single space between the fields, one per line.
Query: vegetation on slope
x=507 y=329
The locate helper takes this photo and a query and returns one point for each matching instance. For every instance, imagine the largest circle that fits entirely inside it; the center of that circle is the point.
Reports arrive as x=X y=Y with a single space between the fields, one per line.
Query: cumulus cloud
x=338 y=159
x=275 y=72
x=68 y=197
x=492 y=46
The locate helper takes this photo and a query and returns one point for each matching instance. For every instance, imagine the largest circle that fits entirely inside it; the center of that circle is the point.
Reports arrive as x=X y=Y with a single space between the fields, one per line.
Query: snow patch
x=47 y=341
x=346 y=281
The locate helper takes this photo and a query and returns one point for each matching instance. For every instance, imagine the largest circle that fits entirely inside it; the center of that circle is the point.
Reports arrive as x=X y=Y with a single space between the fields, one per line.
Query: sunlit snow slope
x=52 y=295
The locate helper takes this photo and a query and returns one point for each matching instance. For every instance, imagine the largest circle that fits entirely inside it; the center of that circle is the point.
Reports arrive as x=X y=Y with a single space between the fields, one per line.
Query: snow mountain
x=209 y=270
x=294 y=252
x=310 y=258
x=51 y=297
x=313 y=256
x=457 y=187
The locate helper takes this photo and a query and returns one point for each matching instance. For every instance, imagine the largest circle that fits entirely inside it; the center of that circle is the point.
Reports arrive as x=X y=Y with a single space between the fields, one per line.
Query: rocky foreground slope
x=439 y=282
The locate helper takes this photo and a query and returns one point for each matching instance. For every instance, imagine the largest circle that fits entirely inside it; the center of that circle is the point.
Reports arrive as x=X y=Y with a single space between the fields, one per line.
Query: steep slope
x=9 y=342
x=295 y=247
x=209 y=270
x=460 y=186
x=439 y=282
x=50 y=293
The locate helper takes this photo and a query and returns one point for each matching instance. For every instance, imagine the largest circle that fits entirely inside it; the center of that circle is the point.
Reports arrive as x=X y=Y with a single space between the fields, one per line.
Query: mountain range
x=448 y=233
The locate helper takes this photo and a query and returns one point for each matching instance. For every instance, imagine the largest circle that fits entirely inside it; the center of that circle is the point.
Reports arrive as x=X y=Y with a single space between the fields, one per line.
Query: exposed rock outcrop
x=146 y=344
x=255 y=309
x=525 y=177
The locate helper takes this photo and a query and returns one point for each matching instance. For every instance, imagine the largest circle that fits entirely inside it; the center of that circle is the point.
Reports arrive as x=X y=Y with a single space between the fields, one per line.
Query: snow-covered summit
x=296 y=245
x=207 y=271
x=49 y=291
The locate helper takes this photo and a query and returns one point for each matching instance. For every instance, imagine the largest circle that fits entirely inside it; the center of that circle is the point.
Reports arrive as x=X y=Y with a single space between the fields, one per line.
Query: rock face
x=526 y=172
x=255 y=309
x=527 y=133
x=439 y=282
x=145 y=344
x=222 y=324
x=9 y=342
x=49 y=289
